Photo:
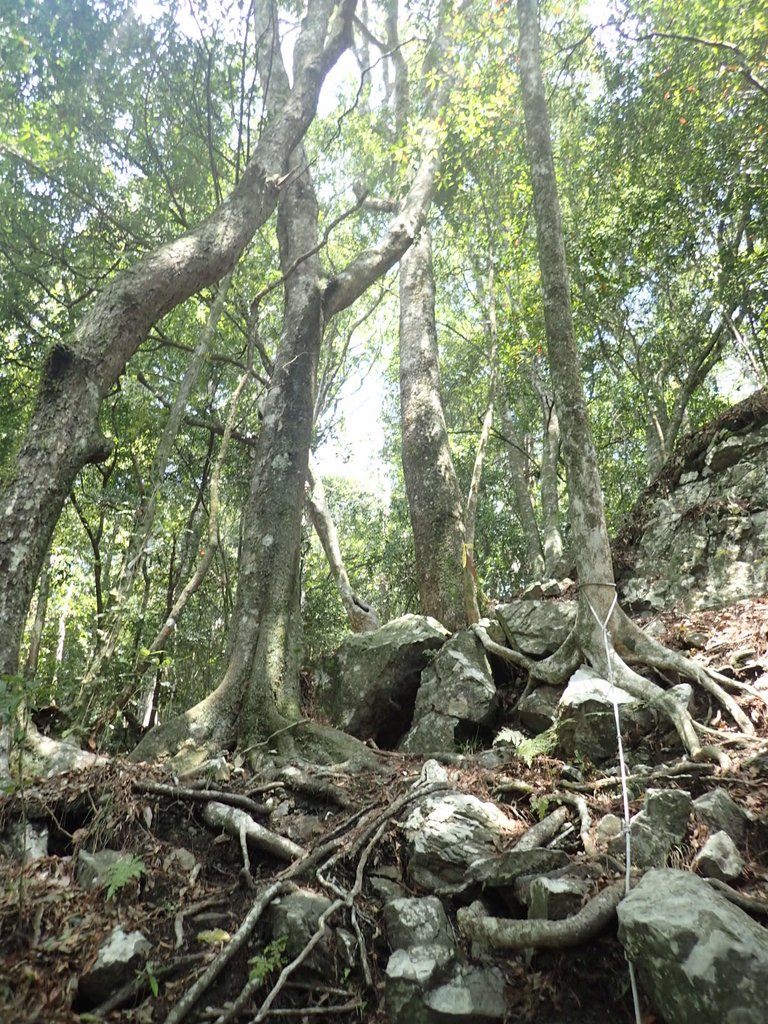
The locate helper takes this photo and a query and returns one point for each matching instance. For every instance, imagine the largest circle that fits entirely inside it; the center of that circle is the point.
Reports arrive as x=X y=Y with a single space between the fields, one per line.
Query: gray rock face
x=29 y=841
x=456 y=699
x=427 y=980
x=538 y=710
x=669 y=811
x=368 y=687
x=535 y=627
x=553 y=899
x=115 y=964
x=92 y=871
x=471 y=994
x=700 y=959
x=295 y=917
x=705 y=544
x=721 y=813
x=586 y=725
x=719 y=858
x=447 y=832
x=418 y=922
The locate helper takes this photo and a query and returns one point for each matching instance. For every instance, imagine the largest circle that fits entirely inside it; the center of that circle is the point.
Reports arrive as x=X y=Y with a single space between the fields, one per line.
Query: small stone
x=669 y=810
x=609 y=827
x=417 y=922
x=92 y=871
x=720 y=859
x=721 y=813
x=116 y=962
x=554 y=899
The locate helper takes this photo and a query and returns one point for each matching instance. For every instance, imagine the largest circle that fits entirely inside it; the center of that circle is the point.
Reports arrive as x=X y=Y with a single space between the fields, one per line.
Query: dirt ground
x=188 y=893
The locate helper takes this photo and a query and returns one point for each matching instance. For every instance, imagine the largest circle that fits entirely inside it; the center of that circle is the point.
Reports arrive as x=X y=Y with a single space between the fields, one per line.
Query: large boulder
x=368 y=686
x=456 y=701
x=446 y=833
x=536 y=628
x=427 y=980
x=701 y=959
x=698 y=537
x=586 y=724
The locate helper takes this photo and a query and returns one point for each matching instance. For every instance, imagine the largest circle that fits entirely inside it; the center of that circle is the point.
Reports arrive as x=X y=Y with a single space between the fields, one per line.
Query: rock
x=385 y=883
x=427 y=981
x=295 y=918
x=649 y=846
x=701 y=959
x=669 y=810
x=456 y=700
x=535 y=627
x=538 y=710
x=116 y=963
x=410 y=973
x=418 y=922
x=368 y=687
x=719 y=858
x=721 y=813
x=29 y=841
x=447 y=832
x=608 y=828
x=586 y=724
x=553 y=899
x=471 y=994
x=504 y=869
x=93 y=869
x=699 y=539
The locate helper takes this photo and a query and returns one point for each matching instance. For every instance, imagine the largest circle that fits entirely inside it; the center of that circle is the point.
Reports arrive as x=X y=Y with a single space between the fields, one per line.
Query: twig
x=201 y=795
x=238 y=940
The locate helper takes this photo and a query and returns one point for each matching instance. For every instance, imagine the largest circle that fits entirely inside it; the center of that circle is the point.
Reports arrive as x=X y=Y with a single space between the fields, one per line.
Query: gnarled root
x=609 y=653
x=506 y=933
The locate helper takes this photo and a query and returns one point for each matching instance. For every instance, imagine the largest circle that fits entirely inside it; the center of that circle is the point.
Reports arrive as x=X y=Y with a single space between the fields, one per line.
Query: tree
x=258 y=697
x=435 y=504
x=63 y=433
x=603 y=635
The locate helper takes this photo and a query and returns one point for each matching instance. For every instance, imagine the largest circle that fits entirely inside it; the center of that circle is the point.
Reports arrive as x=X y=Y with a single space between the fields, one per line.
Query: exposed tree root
x=41 y=755
x=609 y=654
x=507 y=933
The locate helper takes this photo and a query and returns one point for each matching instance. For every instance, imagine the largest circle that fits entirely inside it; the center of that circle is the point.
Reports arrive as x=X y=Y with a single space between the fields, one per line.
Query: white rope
x=624 y=788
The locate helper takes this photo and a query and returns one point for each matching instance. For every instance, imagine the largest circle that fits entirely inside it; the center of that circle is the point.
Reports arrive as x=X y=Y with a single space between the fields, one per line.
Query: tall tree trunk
x=550 y=497
x=519 y=475
x=63 y=433
x=435 y=504
x=589 y=531
x=258 y=696
x=601 y=627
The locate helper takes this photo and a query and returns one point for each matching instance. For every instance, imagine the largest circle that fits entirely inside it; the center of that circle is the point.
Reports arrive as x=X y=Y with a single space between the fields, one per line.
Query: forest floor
x=188 y=893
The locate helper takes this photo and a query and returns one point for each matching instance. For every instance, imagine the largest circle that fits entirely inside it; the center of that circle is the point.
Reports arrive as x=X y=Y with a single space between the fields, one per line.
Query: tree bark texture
x=435 y=502
x=63 y=433
x=586 y=512
x=550 y=497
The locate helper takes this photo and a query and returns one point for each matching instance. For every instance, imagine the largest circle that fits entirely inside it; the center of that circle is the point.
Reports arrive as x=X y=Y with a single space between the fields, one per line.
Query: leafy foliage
x=121 y=872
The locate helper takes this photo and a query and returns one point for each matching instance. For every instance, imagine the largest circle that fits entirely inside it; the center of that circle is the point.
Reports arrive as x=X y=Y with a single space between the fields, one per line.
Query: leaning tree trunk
x=601 y=629
x=63 y=433
x=435 y=503
x=257 y=700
